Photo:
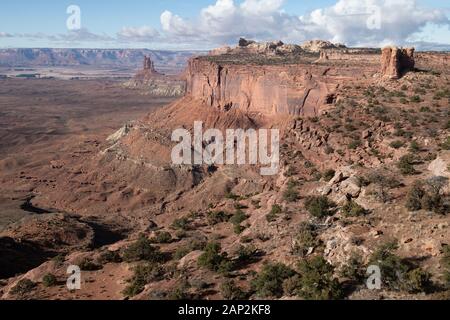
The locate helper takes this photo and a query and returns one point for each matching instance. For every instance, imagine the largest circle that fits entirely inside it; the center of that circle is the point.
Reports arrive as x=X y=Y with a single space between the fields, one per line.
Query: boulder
x=245 y=43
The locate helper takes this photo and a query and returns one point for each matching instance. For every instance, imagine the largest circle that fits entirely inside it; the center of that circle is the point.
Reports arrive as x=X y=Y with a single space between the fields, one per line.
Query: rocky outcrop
x=288 y=85
x=149 y=65
x=268 y=89
x=153 y=83
x=274 y=48
x=395 y=62
x=318 y=45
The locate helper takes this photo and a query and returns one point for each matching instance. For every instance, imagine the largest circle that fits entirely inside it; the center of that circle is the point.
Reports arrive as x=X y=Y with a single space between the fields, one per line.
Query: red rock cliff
x=269 y=89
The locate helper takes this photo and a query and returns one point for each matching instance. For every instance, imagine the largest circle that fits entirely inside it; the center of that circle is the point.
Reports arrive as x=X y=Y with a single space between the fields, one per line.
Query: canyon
x=349 y=121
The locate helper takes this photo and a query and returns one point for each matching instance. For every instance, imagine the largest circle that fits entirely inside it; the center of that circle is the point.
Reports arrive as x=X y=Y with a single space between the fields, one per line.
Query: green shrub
x=397 y=144
x=414 y=147
x=291 y=194
x=217 y=217
x=352 y=209
x=49 y=280
x=385 y=182
x=141 y=250
x=230 y=291
x=274 y=212
x=416 y=99
x=398 y=274
x=446 y=144
x=22 y=287
x=320 y=207
x=390 y=264
x=317 y=280
x=180 y=292
x=238 y=217
x=246 y=254
x=143 y=275
x=416 y=281
x=306 y=239
x=328 y=175
x=110 y=257
x=355 y=144
x=269 y=281
x=87 y=264
x=181 y=224
x=193 y=245
x=415 y=197
x=232 y=196
x=212 y=259
x=238 y=229
x=162 y=237
x=428 y=196
x=354 y=270
x=406 y=165
x=181 y=252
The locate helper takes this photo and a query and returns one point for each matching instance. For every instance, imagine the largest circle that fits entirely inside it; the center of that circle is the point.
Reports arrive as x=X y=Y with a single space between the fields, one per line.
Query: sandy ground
x=43 y=119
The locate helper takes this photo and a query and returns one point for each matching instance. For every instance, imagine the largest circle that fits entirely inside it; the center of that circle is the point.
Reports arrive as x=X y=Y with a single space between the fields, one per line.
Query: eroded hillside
x=363 y=181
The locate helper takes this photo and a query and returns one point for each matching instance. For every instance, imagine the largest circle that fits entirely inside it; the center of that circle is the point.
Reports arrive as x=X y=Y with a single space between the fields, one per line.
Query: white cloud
x=354 y=22
x=82 y=35
x=139 y=34
x=5 y=35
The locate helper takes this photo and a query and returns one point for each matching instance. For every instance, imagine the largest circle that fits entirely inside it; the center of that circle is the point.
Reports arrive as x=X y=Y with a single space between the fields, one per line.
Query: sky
x=206 y=24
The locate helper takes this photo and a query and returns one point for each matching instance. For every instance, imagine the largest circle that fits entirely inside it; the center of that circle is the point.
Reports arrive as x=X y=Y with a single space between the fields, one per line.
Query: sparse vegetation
x=354 y=270
x=446 y=144
x=181 y=224
x=213 y=259
x=143 y=274
x=397 y=144
x=291 y=194
x=317 y=280
x=110 y=257
x=142 y=250
x=398 y=274
x=216 y=217
x=237 y=219
x=269 y=282
x=87 y=264
x=230 y=291
x=328 y=175
x=385 y=182
x=274 y=212
x=162 y=237
x=406 y=164
x=306 y=239
x=427 y=196
x=23 y=287
x=320 y=207
x=49 y=280
x=352 y=209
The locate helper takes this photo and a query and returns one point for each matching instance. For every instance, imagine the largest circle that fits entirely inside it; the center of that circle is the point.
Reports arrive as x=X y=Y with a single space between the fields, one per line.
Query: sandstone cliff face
x=396 y=62
x=299 y=89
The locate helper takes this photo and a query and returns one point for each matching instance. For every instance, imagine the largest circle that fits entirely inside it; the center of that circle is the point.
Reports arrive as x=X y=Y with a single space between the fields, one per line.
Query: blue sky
x=30 y=23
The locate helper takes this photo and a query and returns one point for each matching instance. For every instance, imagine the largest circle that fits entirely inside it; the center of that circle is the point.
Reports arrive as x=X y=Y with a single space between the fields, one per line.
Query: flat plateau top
x=282 y=59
